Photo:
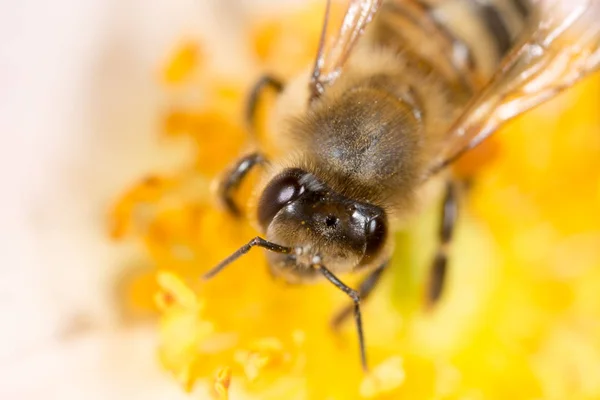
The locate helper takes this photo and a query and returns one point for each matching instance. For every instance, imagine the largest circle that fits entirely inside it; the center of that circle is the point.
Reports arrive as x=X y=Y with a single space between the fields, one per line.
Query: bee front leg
x=364 y=290
x=439 y=268
x=233 y=178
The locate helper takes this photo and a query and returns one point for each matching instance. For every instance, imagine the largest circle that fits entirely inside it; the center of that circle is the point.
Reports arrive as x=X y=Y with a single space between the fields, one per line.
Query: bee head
x=297 y=210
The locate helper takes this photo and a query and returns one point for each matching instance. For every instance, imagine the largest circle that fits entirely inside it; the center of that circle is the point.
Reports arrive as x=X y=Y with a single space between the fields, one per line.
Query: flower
x=520 y=316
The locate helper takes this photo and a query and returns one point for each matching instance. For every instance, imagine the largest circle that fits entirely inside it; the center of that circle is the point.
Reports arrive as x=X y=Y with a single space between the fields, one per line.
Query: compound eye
x=282 y=190
x=375 y=233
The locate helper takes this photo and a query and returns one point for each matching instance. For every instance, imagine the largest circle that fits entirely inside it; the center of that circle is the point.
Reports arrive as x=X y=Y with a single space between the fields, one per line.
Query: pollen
x=385 y=378
x=518 y=319
x=182 y=327
x=186 y=59
x=132 y=209
x=221 y=383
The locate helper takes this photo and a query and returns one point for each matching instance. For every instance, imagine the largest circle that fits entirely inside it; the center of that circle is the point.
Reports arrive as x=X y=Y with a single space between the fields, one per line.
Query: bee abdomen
x=462 y=40
x=489 y=28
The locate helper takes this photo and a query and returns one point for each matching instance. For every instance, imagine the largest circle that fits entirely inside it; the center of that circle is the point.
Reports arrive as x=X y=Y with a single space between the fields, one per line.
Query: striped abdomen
x=461 y=40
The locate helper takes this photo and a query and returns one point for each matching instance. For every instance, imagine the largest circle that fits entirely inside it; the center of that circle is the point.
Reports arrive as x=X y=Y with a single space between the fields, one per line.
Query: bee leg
x=364 y=290
x=355 y=296
x=439 y=268
x=233 y=178
x=265 y=82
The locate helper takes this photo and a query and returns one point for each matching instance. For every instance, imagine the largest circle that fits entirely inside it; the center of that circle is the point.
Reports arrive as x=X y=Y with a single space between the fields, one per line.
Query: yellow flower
x=519 y=319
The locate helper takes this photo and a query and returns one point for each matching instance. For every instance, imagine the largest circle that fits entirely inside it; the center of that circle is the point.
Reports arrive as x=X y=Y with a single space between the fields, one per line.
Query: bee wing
x=332 y=56
x=563 y=49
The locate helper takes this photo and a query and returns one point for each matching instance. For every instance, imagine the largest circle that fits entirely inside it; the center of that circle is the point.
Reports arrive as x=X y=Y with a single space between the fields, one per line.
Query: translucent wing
x=563 y=49
x=332 y=56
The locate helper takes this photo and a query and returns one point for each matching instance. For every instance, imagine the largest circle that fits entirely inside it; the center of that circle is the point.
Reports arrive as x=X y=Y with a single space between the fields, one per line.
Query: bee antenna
x=256 y=242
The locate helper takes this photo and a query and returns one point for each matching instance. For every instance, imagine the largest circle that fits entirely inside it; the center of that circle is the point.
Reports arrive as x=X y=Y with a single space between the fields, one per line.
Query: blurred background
x=79 y=104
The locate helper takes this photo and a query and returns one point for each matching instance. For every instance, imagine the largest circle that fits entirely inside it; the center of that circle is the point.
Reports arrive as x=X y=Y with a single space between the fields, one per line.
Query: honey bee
x=403 y=89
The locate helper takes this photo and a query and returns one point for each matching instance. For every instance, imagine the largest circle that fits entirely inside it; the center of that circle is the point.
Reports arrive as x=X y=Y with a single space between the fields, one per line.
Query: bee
x=401 y=90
